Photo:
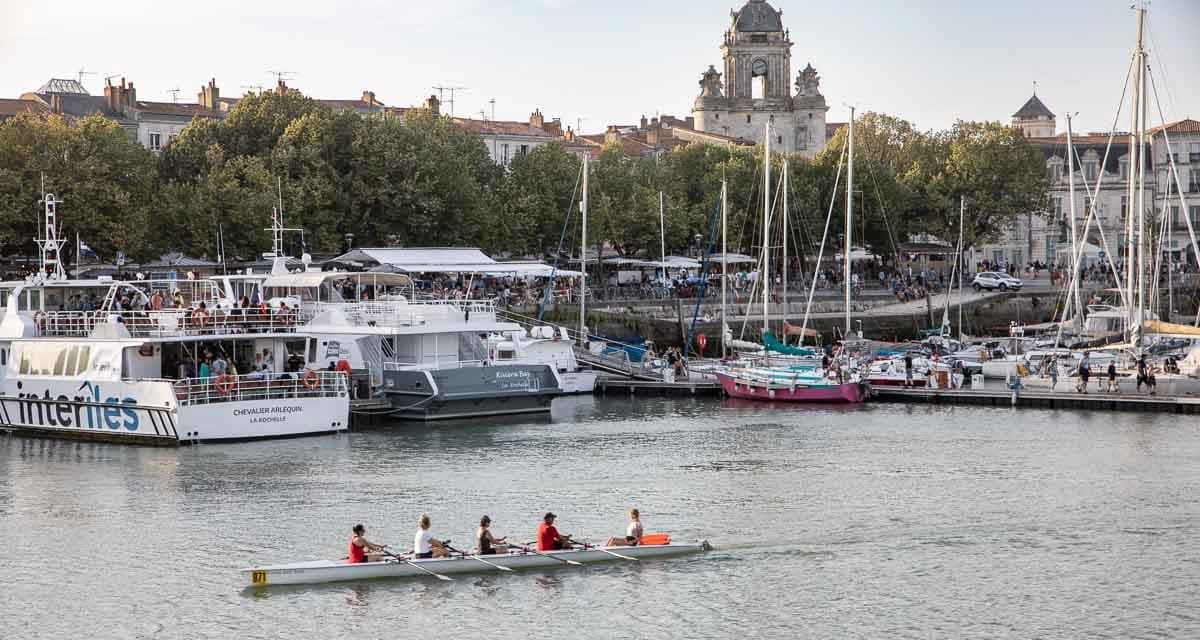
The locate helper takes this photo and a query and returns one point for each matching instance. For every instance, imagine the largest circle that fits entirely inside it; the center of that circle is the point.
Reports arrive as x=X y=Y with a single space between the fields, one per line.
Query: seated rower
x=548 y=537
x=633 y=533
x=360 y=546
x=485 y=542
x=424 y=544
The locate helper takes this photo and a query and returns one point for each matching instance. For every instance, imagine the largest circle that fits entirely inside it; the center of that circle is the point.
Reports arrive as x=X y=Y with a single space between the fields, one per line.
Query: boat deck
x=1043 y=399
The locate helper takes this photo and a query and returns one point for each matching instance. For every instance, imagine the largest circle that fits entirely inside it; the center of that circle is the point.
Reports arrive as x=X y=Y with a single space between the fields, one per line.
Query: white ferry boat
x=93 y=359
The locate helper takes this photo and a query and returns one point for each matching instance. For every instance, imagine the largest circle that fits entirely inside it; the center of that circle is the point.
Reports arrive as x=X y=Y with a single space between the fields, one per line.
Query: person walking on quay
x=908 y=369
x=1112 y=378
x=1141 y=372
x=1085 y=372
x=1052 y=366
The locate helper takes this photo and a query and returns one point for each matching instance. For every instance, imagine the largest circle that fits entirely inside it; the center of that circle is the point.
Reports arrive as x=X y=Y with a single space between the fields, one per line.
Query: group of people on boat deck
x=486 y=543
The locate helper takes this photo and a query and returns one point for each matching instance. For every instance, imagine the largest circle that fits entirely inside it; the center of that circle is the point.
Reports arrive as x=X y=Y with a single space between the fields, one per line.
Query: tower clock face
x=760 y=67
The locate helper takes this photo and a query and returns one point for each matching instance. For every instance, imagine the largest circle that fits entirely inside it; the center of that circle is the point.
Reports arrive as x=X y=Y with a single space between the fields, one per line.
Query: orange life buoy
x=310 y=379
x=701 y=341
x=224 y=383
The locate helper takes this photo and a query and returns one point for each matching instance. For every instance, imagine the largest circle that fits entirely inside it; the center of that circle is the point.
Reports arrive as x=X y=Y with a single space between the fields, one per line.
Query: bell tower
x=757 y=53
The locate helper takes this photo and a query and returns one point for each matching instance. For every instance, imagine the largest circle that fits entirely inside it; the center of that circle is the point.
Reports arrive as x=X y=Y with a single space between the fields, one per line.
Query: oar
x=413 y=564
x=478 y=559
x=597 y=548
x=546 y=555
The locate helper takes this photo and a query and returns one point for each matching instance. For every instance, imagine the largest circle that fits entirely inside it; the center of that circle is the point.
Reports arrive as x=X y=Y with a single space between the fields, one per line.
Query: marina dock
x=606 y=385
x=1042 y=399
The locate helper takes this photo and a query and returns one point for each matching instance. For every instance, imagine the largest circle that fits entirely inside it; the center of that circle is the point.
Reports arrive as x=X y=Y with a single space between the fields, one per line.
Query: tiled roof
x=10 y=107
x=352 y=105
x=1187 y=125
x=78 y=106
x=186 y=109
x=1032 y=109
x=503 y=128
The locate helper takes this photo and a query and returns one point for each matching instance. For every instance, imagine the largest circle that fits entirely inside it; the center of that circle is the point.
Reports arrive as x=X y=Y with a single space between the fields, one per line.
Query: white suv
x=991 y=280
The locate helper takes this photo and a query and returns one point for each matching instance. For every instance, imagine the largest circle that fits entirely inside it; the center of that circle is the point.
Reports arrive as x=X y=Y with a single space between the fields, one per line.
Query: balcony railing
x=275 y=386
x=410 y=313
x=175 y=322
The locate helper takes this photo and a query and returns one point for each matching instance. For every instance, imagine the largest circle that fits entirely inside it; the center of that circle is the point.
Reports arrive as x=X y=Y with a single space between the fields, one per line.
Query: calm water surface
x=878 y=522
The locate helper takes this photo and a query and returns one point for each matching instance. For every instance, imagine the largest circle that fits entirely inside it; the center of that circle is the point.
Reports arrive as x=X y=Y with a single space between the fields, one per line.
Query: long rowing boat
x=318 y=571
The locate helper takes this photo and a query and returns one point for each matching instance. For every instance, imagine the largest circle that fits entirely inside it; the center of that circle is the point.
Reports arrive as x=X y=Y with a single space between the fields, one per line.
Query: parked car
x=992 y=280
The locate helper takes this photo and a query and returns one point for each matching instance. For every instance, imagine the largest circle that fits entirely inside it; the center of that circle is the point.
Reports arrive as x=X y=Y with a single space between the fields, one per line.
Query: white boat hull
x=321 y=571
x=578 y=382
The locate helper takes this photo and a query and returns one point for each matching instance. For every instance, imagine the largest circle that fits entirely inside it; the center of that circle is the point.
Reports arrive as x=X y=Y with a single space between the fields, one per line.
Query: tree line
x=421 y=180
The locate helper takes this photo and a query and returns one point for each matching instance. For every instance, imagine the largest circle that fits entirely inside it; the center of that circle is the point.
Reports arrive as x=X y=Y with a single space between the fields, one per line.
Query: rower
x=359 y=546
x=548 y=537
x=633 y=533
x=424 y=544
x=486 y=543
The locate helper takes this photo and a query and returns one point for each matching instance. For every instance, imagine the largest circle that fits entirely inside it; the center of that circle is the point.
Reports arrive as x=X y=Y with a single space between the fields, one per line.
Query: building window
x=1124 y=168
x=1174 y=151
x=1057 y=204
x=155 y=141
x=716 y=116
x=779 y=140
x=504 y=153
x=1056 y=170
x=1124 y=204
x=1051 y=245
x=1174 y=214
x=1194 y=214
x=1091 y=170
x=747 y=118
x=524 y=149
x=1194 y=153
x=1194 y=180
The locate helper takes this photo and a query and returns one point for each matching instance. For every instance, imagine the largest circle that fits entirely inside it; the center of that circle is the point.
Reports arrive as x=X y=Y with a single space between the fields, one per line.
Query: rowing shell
x=318 y=571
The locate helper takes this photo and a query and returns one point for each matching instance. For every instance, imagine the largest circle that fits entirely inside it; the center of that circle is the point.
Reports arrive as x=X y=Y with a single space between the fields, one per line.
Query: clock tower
x=757 y=86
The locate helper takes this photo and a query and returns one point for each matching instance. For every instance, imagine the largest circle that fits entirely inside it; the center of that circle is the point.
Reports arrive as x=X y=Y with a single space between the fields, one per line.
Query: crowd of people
x=485 y=542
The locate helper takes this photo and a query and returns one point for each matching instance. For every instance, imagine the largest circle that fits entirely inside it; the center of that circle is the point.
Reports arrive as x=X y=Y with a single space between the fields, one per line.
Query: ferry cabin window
x=54 y=360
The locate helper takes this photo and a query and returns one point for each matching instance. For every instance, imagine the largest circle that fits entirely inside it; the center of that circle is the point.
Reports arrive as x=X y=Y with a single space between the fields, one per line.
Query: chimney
x=642 y=123
x=56 y=103
x=130 y=96
x=433 y=104
x=554 y=127
x=569 y=136
x=652 y=133
x=612 y=134
x=369 y=98
x=536 y=120
x=210 y=95
x=118 y=97
x=280 y=87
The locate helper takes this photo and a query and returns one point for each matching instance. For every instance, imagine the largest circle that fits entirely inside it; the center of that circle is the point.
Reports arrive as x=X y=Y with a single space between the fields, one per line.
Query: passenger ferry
x=100 y=359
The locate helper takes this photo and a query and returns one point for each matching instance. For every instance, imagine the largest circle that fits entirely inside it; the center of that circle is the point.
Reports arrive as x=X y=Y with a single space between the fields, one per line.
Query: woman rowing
x=360 y=546
x=485 y=542
x=633 y=533
x=424 y=544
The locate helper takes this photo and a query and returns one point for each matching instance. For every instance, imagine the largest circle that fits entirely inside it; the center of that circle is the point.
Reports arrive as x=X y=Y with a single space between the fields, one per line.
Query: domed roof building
x=756 y=86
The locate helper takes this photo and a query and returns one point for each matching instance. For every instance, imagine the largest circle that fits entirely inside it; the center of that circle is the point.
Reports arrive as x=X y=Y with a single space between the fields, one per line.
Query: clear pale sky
x=929 y=61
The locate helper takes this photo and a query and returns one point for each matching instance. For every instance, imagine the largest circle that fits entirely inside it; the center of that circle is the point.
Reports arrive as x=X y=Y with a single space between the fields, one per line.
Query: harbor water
x=878 y=521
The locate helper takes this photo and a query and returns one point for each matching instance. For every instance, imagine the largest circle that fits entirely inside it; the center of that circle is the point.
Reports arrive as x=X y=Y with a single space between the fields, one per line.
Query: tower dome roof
x=1033 y=109
x=757 y=16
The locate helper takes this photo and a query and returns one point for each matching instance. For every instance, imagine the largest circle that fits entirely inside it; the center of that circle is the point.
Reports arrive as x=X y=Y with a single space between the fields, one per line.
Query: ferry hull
x=849 y=393
x=470 y=392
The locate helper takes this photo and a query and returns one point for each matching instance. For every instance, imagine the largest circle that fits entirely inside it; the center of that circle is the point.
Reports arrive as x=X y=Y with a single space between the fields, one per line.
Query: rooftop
x=10 y=107
x=757 y=16
x=502 y=127
x=1033 y=109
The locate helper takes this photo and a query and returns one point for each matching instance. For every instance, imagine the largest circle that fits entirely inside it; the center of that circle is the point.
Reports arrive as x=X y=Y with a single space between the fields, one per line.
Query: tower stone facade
x=757 y=88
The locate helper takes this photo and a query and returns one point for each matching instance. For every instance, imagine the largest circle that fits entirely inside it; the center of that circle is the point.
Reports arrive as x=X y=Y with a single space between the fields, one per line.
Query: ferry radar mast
x=51 y=245
x=277 y=255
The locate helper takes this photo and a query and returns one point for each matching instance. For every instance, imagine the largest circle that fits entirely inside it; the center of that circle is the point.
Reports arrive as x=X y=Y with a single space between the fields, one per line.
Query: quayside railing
x=249 y=387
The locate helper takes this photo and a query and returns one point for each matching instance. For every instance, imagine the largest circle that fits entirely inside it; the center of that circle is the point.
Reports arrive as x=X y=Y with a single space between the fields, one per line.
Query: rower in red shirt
x=360 y=546
x=548 y=537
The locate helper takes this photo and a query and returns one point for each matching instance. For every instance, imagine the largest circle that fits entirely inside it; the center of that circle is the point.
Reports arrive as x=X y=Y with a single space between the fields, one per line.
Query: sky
x=594 y=62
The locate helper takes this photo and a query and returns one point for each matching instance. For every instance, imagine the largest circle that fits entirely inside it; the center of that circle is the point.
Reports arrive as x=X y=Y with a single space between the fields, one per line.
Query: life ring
x=701 y=341
x=310 y=379
x=224 y=384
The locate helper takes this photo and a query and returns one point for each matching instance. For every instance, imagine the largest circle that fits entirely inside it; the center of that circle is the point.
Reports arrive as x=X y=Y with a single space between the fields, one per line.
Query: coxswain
x=424 y=544
x=359 y=546
x=485 y=542
x=548 y=537
x=633 y=533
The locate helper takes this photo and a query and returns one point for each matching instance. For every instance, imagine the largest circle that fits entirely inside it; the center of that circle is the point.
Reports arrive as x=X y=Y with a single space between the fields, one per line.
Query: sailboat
x=793 y=382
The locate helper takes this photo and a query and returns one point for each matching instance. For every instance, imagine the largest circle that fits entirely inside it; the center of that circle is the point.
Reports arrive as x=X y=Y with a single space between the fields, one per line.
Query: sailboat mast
x=725 y=262
x=1075 y=242
x=1135 y=162
x=849 y=210
x=764 y=278
x=785 y=252
x=583 y=209
x=662 y=235
x=962 y=208
x=1141 y=189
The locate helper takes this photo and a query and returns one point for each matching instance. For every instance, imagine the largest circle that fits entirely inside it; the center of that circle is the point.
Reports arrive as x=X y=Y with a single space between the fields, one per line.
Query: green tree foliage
x=103 y=176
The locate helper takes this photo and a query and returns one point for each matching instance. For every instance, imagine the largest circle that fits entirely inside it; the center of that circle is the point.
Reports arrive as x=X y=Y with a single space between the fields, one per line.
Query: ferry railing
x=396 y=365
x=168 y=322
x=249 y=387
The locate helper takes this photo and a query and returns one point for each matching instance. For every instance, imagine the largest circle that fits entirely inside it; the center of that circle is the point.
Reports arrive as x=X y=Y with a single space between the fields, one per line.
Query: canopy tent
x=1170 y=329
x=446 y=260
x=732 y=258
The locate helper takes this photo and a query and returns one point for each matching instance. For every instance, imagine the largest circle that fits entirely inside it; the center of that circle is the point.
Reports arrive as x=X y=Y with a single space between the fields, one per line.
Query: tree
x=104 y=178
